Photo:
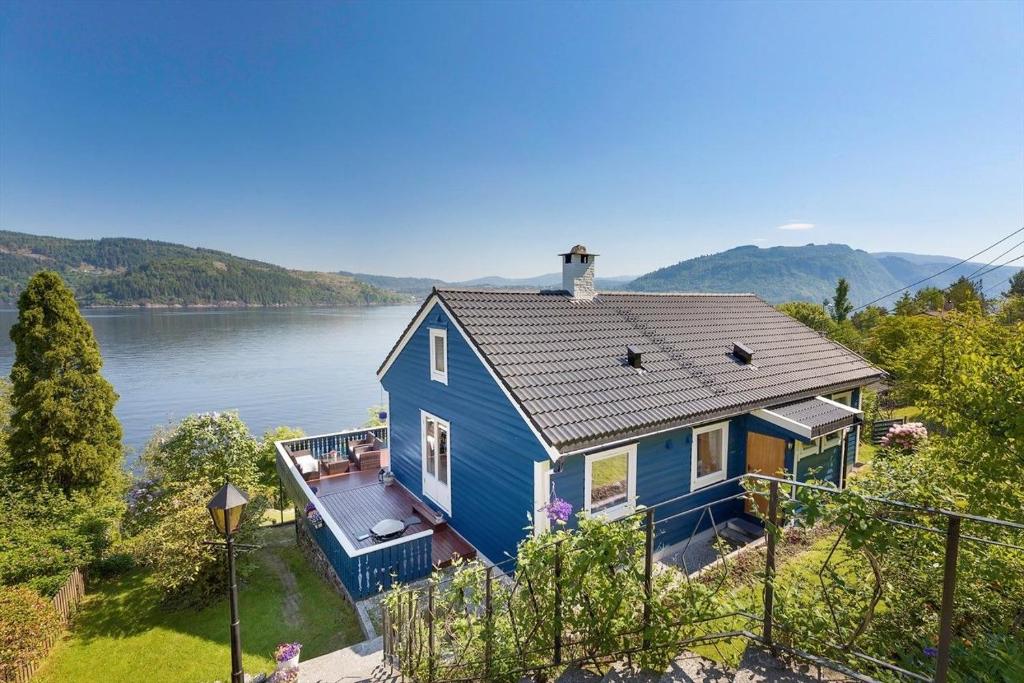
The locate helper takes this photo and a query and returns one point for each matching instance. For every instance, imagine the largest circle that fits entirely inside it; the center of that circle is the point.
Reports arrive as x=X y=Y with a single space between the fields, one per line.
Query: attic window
x=439 y=355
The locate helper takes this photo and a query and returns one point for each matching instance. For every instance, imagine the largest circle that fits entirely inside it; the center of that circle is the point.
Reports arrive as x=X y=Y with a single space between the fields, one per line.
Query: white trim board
x=630 y=504
x=428 y=306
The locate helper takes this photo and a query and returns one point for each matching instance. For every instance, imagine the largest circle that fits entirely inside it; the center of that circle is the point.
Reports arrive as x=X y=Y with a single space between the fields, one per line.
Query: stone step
x=360 y=663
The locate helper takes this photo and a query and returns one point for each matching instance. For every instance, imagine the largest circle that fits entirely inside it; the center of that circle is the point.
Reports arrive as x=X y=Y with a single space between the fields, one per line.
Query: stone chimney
x=578 y=273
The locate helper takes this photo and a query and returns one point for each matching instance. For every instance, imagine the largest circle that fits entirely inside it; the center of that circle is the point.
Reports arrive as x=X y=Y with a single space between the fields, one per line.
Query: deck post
x=488 y=626
x=648 y=575
x=558 y=603
x=430 y=633
x=948 y=590
x=769 y=566
x=386 y=617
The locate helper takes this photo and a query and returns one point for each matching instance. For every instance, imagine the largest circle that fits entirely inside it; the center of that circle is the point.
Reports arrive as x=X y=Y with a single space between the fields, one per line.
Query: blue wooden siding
x=492 y=448
x=366 y=573
x=663 y=473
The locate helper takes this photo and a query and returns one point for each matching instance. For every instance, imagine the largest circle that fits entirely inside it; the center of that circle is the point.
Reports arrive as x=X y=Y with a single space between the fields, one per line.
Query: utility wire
x=1001 y=283
x=944 y=270
x=993 y=261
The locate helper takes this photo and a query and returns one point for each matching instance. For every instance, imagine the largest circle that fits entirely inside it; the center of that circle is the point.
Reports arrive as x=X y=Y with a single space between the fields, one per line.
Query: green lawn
x=122 y=634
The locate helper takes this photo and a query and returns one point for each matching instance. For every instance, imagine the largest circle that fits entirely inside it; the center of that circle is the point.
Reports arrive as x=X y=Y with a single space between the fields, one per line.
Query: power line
x=1001 y=284
x=1000 y=265
x=994 y=260
x=944 y=270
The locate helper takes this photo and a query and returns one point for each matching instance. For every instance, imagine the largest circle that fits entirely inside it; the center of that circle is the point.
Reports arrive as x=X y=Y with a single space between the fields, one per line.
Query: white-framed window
x=609 y=482
x=709 y=460
x=846 y=398
x=801 y=449
x=831 y=440
x=439 y=355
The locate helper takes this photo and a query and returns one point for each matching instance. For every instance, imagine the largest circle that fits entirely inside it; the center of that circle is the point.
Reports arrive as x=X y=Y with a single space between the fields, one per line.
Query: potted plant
x=287 y=655
x=313 y=516
x=387 y=477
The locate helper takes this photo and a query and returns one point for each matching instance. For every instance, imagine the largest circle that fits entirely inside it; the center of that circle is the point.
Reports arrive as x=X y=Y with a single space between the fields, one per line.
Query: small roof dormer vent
x=743 y=353
x=634 y=357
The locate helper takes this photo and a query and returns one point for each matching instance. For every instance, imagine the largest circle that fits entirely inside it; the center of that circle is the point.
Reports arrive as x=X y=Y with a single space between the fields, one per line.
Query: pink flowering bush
x=905 y=437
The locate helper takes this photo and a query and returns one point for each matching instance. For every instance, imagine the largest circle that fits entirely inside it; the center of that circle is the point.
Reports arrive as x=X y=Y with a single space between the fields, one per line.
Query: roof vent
x=743 y=352
x=634 y=357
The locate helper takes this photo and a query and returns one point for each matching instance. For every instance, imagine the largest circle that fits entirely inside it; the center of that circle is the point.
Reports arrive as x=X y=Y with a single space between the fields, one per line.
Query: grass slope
x=123 y=271
x=122 y=635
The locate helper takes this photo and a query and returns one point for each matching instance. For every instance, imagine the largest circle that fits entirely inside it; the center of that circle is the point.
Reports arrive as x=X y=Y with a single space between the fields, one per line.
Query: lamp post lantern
x=226 y=508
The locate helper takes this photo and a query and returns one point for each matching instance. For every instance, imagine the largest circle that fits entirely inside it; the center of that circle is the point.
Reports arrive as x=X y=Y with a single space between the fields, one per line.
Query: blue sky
x=470 y=139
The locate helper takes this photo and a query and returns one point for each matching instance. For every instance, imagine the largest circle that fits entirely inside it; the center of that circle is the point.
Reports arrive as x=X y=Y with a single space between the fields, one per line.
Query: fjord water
x=308 y=368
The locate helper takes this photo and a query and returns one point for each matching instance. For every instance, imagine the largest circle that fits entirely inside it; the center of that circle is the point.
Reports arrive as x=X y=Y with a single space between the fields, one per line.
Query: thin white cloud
x=796 y=226
x=759 y=240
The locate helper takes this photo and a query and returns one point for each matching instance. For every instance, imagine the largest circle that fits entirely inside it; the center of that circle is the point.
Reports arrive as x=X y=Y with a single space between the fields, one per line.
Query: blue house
x=500 y=399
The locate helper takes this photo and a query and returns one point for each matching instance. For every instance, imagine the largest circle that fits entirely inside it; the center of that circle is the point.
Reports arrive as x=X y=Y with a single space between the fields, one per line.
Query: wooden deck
x=357 y=501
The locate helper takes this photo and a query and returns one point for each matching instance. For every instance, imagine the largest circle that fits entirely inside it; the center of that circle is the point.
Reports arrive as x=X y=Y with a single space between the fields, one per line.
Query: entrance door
x=766 y=455
x=437 y=462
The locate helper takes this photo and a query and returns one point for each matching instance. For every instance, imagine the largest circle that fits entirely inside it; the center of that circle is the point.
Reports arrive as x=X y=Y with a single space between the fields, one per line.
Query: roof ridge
x=600 y=292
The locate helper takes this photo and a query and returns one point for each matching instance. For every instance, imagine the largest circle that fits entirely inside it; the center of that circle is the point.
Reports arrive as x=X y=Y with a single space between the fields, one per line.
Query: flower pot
x=389 y=479
x=288 y=663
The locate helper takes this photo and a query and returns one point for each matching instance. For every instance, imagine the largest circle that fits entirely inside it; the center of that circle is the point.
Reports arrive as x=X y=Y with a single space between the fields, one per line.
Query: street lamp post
x=226 y=508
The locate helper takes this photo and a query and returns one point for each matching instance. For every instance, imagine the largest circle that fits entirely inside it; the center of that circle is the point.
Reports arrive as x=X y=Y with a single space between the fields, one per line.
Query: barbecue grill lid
x=388 y=527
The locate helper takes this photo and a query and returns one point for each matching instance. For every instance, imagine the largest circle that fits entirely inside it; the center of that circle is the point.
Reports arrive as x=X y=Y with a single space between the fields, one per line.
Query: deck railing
x=363 y=571
x=322 y=444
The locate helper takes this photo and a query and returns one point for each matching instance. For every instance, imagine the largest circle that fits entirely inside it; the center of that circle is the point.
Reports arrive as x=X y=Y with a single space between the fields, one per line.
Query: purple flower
x=558 y=510
x=931 y=652
x=286 y=651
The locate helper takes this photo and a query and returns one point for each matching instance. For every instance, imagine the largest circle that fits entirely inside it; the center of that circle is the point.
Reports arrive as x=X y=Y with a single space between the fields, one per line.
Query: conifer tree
x=841 y=305
x=63 y=430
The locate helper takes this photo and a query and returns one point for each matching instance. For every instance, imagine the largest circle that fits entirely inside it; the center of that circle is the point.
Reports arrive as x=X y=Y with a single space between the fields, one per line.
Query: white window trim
x=708 y=479
x=541 y=496
x=630 y=504
x=848 y=395
x=803 y=450
x=436 y=376
x=424 y=415
x=835 y=437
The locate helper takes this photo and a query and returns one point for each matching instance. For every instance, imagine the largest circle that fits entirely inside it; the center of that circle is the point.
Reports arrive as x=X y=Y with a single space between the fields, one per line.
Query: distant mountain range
x=777 y=274
x=420 y=286
x=133 y=272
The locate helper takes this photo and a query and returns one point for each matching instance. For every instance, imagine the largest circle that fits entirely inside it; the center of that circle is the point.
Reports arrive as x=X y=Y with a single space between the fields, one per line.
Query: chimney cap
x=578 y=249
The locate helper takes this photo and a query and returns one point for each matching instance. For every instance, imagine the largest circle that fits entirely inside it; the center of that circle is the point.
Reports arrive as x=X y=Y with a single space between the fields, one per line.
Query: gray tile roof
x=820 y=416
x=564 y=360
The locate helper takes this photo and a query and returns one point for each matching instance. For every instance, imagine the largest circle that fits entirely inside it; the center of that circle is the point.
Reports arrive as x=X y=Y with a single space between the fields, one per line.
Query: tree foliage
x=841 y=306
x=63 y=429
x=167 y=517
x=28 y=623
x=1016 y=283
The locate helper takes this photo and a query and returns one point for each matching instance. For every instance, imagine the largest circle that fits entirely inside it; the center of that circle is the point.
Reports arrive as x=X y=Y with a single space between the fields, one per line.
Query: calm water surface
x=308 y=368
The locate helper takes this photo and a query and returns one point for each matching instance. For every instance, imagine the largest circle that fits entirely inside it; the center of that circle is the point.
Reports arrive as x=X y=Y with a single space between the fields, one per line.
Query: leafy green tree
x=1016 y=284
x=268 y=462
x=812 y=315
x=929 y=299
x=209 y=449
x=965 y=295
x=167 y=516
x=63 y=429
x=866 y=319
x=841 y=306
x=1011 y=310
x=906 y=305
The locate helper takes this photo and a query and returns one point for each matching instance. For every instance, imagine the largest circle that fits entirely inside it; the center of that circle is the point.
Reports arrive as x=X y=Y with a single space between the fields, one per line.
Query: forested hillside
x=777 y=274
x=129 y=272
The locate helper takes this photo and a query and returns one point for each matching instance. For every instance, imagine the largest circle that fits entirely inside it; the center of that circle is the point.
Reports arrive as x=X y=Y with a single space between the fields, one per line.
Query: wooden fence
x=881 y=427
x=65 y=603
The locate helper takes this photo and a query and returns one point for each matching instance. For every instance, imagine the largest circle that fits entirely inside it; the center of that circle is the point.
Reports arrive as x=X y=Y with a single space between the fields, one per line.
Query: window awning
x=812 y=417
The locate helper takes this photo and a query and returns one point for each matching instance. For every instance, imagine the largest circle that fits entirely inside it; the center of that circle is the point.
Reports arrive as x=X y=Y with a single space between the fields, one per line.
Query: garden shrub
x=28 y=624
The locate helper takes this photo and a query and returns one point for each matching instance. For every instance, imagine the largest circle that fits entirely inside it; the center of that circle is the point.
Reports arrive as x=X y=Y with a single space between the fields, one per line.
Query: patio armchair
x=367 y=457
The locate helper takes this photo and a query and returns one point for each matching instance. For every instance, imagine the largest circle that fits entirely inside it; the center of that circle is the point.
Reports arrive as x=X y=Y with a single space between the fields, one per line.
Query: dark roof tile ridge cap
x=499 y=290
